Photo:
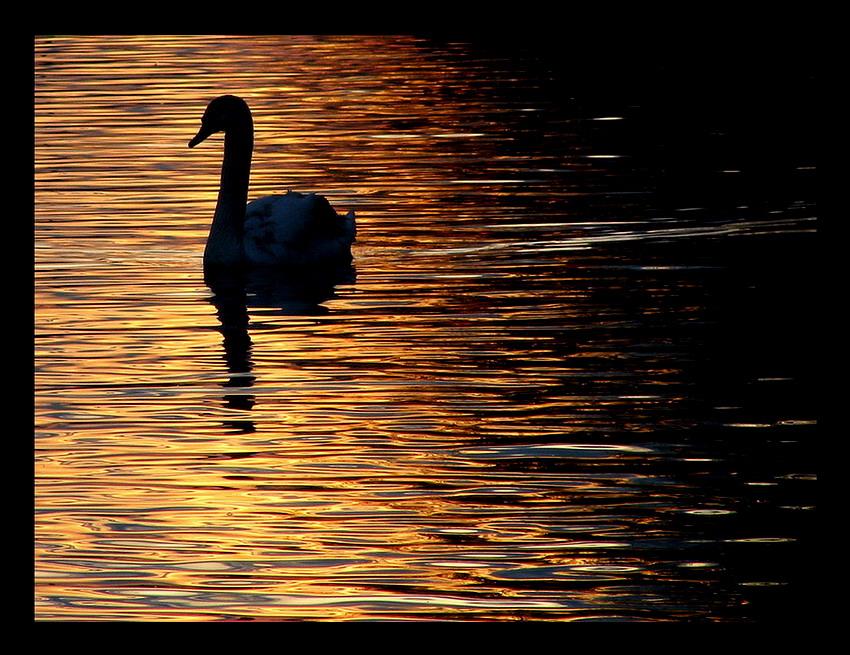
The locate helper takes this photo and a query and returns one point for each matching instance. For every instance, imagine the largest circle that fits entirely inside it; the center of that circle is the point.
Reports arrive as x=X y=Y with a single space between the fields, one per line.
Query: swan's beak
x=202 y=134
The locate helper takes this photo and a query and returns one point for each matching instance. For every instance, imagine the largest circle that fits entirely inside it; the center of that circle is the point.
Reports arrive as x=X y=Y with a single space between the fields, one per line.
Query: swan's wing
x=294 y=228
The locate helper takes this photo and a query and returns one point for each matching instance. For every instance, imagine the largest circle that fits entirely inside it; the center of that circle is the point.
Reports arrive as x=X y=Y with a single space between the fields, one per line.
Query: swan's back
x=297 y=229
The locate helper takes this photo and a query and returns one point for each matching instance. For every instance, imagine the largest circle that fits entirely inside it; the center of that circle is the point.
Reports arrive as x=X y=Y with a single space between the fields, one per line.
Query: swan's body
x=286 y=230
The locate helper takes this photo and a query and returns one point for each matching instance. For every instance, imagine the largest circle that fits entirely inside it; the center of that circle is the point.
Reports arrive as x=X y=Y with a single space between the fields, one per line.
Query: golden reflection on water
x=466 y=427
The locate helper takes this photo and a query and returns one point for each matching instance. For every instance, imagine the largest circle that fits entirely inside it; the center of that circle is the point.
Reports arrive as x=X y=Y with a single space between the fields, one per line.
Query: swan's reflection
x=236 y=289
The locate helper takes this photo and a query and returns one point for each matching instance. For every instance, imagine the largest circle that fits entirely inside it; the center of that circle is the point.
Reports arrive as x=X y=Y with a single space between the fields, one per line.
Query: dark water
x=570 y=376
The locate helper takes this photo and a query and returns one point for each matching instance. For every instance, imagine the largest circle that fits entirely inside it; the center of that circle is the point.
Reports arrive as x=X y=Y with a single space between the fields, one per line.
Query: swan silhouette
x=290 y=230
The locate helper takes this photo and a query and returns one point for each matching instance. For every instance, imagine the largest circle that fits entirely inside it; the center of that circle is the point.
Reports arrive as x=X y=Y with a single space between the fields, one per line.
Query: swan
x=292 y=229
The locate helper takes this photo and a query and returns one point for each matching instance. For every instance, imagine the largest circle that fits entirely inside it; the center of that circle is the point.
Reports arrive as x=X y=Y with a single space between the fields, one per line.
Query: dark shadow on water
x=289 y=293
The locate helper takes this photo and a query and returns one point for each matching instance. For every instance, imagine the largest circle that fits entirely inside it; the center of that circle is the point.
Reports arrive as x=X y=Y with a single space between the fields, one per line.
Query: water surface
x=568 y=378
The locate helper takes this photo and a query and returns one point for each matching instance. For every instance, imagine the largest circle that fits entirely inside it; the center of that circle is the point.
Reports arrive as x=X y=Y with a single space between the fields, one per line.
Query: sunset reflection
x=515 y=405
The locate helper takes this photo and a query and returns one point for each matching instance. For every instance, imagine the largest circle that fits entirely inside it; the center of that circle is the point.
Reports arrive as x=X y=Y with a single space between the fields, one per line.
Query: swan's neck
x=224 y=245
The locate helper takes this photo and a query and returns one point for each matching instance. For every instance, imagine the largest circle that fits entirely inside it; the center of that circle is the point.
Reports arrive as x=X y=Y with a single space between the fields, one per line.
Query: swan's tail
x=350 y=226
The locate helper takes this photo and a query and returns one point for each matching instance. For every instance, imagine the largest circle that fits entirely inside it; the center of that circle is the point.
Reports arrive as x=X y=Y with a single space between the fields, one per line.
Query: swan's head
x=222 y=113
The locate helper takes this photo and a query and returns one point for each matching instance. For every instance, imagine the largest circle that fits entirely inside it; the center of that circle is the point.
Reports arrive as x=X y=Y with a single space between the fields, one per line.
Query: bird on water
x=286 y=230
